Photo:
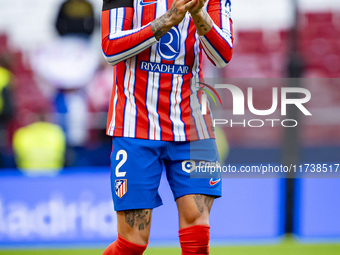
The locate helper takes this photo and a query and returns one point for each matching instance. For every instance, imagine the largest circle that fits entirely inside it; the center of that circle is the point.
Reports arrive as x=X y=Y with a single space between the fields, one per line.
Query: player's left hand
x=197 y=7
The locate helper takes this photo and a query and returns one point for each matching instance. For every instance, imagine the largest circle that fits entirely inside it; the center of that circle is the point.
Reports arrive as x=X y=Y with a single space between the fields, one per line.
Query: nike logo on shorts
x=212 y=182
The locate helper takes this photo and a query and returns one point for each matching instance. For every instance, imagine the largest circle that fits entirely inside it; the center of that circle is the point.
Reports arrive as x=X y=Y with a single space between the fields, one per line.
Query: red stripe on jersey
x=105 y=23
x=200 y=73
x=142 y=119
x=121 y=100
x=128 y=18
x=232 y=30
x=169 y=3
x=214 y=10
x=190 y=129
x=148 y=13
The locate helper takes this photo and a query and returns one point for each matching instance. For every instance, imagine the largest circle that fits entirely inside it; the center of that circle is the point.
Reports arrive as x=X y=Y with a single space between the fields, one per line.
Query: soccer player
x=155 y=114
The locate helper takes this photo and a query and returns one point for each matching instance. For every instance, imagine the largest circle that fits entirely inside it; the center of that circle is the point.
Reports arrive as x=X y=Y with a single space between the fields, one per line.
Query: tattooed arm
x=214 y=25
x=201 y=18
x=173 y=16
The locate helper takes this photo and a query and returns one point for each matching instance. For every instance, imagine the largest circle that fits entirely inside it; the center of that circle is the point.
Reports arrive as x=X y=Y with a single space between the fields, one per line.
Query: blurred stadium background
x=61 y=79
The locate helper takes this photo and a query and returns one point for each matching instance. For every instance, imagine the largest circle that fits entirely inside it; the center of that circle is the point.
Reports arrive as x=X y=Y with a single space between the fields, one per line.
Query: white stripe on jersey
x=130 y=104
x=116 y=22
x=194 y=102
x=113 y=120
x=137 y=22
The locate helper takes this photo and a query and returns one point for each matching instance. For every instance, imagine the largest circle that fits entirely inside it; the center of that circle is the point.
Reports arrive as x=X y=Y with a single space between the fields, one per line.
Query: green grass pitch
x=287 y=247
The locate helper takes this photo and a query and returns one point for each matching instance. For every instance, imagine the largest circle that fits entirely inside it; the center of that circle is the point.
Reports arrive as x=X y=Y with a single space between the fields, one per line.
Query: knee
x=123 y=247
x=193 y=217
x=194 y=210
x=134 y=226
x=136 y=237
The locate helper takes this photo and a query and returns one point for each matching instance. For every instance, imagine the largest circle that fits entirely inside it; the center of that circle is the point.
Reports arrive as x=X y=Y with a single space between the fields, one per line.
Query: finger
x=189 y=4
x=195 y=1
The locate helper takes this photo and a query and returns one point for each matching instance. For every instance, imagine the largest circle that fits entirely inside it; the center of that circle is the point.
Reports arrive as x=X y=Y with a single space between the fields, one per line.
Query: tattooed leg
x=194 y=210
x=199 y=202
x=134 y=225
x=203 y=202
x=139 y=218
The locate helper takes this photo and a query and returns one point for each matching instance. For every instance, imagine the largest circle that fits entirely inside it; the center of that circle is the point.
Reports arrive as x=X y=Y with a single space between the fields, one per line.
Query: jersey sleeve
x=119 y=40
x=218 y=42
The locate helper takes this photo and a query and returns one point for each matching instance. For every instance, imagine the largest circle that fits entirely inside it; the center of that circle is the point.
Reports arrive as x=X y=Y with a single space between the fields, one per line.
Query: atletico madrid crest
x=120 y=187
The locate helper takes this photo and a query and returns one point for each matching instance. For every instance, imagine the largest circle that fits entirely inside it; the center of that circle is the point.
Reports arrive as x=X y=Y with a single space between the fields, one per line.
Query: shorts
x=137 y=165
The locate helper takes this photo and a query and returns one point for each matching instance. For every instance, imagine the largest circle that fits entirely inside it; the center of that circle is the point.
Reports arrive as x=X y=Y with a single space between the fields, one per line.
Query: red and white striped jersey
x=156 y=93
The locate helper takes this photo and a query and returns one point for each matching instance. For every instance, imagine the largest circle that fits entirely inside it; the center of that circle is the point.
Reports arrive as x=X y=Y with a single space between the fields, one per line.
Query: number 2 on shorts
x=121 y=163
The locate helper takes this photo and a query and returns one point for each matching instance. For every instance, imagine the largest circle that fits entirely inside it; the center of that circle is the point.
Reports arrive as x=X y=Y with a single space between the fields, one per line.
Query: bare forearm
x=202 y=21
x=173 y=16
x=162 y=25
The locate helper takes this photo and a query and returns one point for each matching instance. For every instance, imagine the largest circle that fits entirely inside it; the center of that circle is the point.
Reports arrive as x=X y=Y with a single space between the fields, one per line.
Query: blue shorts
x=137 y=165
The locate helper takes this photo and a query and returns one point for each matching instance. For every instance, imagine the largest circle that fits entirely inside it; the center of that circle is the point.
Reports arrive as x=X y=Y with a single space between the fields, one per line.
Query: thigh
x=136 y=170
x=194 y=209
x=134 y=225
x=183 y=160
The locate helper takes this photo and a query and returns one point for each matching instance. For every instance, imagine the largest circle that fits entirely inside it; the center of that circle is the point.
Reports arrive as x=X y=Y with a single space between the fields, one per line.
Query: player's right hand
x=173 y=16
x=197 y=7
x=179 y=8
